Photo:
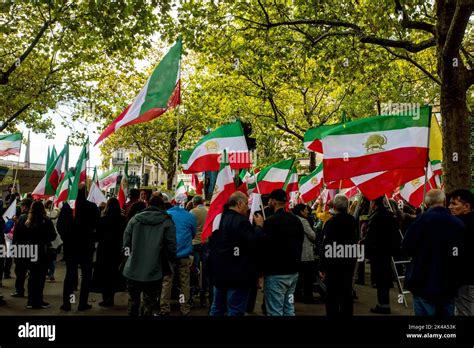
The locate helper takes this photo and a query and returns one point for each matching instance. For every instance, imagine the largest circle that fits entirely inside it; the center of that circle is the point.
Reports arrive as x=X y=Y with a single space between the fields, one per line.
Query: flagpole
x=17 y=165
x=427 y=162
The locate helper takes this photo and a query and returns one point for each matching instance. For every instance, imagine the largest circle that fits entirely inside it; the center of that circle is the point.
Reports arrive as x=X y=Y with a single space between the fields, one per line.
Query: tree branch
x=14 y=116
x=405 y=44
x=5 y=75
x=407 y=58
x=457 y=28
x=409 y=24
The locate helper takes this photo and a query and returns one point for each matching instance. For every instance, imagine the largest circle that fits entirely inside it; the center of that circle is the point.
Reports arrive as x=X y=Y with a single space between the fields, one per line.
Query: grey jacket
x=307 y=253
x=150 y=237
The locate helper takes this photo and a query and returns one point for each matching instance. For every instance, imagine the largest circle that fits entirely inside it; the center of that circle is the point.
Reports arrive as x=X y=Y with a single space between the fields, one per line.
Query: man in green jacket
x=149 y=242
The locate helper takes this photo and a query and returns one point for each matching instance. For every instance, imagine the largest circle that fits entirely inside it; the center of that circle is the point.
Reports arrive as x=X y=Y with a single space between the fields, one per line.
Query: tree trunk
x=171 y=162
x=454 y=111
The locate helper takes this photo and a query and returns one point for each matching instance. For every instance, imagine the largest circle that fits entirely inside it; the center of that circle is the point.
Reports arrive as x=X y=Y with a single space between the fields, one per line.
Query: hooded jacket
x=150 y=239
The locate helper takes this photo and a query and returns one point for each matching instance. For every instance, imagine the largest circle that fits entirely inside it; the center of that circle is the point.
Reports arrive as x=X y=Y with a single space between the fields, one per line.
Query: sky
x=39 y=144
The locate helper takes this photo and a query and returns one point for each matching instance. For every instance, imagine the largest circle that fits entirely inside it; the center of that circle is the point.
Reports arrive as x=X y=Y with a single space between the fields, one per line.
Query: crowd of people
x=152 y=248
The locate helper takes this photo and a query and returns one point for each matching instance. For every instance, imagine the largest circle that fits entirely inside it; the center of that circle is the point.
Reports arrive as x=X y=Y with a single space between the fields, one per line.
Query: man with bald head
x=233 y=257
x=434 y=243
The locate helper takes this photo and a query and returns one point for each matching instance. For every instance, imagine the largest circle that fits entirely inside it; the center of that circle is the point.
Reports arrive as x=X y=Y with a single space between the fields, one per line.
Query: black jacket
x=41 y=235
x=434 y=241
x=341 y=229
x=20 y=234
x=78 y=232
x=233 y=252
x=468 y=263
x=282 y=244
x=383 y=239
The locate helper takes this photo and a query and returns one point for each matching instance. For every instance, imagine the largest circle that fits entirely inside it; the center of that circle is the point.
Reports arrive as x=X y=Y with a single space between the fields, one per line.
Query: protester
x=144 y=196
x=200 y=249
x=53 y=213
x=306 y=275
x=323 y=214
x=40 y=232
x=461 y=205
x=135 y=209
x=185 y=231
x=233 y=257
x=282 y=246
x=434 y=242
x=134 y=196
x=339 y=232
x=110 y=231
x=78 y=234
x=20 y=237
x=382 y=241
x=150 y=242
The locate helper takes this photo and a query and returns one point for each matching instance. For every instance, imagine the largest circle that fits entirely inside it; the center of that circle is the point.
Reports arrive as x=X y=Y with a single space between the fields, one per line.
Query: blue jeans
x=230 y=301
x=279 y=294
x=424 y=307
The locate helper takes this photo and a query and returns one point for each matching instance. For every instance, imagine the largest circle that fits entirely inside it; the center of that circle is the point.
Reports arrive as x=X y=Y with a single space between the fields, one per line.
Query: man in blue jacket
x=185 y=231
x=434 y=243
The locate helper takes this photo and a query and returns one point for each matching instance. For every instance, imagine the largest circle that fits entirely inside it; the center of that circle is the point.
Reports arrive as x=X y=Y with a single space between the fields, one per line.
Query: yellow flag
x=436 y=151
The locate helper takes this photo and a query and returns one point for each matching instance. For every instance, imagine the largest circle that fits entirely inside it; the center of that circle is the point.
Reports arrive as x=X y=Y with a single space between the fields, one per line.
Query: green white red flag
x=63 y=189
x=80 y=175
x=412 y=191
x=310 y=185
x=223 y=188
x=312 y=137
x=208 y=153
x=376 y=144
x=108 y=179
x=10 y=144
x=274 y=177
x=50 y=182
x=160 y=93
x=181 y=189
x=95 y=194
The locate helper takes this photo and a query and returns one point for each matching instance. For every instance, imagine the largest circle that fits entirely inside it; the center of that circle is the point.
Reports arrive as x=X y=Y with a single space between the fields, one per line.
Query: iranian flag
x=208 y=153
x=65 y=164
x=376 y=144
x=108 y=179
x=223 y=188
x=273 y=177
x=413 y=190
x=63 y=189
x=291 y=184
x=160 y=93
x=374 y=185
x=181 y=189
x=248 y=185
x=310 y=185
x=80 y=175
x=95 y=194
x=10 y=144
x=123 y=190
x=50 y=182
x=351 y=192
x=312 y=137
x=437 y=168
x=197 y=184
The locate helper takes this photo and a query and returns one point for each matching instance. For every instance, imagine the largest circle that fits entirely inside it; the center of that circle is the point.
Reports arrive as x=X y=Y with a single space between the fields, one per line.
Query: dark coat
x=282 y=243
x=20 y=235
x=431 y=241
x=383 y=240
x=233 y=252
x=107 y=275
x=78 y=232
x=41 y=235
x=342 y=230
x=468 y=263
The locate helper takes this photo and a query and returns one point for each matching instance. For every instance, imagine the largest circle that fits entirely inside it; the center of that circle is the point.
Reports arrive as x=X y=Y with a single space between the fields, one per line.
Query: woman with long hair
x=40 y=231
x=135 y=209
x=109 y=252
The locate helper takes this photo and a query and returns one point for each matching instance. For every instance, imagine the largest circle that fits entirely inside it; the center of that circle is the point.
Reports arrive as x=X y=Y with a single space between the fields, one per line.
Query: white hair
x=434 y=197
x=341 y=203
